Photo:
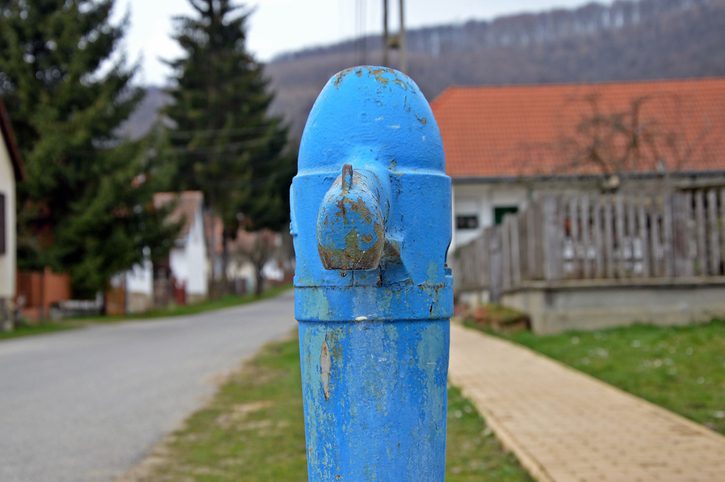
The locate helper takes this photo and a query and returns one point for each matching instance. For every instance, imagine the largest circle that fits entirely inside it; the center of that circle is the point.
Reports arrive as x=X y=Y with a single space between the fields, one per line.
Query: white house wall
x=140 y=278
x=196 y=268
x=480 y=200
x=179 y=265
x=7 y=260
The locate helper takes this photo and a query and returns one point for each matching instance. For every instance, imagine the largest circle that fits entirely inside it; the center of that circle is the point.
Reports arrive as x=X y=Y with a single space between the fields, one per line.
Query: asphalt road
x=88 y=404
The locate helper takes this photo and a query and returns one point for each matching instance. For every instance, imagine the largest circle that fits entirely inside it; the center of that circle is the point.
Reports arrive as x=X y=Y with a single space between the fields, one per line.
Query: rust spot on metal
x=378 y=74
x=352 y=256
x=362 y=209
x=401 y=84
x=325 y=366
x=422 y=120
x=346 y=177
x=341 y=210
x=340 y=76
x=391 y=250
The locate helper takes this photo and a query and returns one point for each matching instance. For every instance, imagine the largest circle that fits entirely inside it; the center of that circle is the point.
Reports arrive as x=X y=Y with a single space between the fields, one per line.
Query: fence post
x=713 y=233
x=553 y=244
x=679 y=234
x=371 y=221
x=496 y=265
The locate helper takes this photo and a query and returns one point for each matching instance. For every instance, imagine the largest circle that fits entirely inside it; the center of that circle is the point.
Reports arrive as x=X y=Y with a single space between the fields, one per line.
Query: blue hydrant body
x=371 y=223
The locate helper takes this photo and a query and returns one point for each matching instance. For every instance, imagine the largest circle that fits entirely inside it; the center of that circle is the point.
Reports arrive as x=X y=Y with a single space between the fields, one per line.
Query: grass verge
x=253 y=431
x=29 y=330
x=679 y=368
x=204 y=306
x=192 y=309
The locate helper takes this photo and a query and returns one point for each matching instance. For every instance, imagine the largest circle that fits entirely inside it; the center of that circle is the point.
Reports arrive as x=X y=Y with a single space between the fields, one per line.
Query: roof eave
x=578 y=177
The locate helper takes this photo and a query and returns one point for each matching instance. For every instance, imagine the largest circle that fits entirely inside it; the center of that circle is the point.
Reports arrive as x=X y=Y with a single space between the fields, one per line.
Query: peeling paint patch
x=325 y=366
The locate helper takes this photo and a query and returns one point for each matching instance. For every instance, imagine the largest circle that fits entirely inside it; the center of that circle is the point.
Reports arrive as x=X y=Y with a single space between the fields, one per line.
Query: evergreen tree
x=86 y=205
x=225 y=143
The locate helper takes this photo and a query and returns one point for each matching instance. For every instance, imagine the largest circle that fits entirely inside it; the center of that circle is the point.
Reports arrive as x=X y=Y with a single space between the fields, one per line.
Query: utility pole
x=386 y=39
x=401 y=39
x=395 y=41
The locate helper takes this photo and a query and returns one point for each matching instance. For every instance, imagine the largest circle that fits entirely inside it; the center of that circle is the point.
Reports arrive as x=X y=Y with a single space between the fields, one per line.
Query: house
x=246 y=250
x=502 y=144
x=183 y=276
x=187 y=263
x=11 y=172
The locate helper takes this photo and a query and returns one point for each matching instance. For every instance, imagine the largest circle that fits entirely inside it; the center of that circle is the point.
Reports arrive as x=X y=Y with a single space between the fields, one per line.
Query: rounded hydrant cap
x=377 y=109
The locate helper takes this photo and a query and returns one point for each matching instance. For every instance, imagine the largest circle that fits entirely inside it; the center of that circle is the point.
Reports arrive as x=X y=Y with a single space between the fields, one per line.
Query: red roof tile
x=516 y=131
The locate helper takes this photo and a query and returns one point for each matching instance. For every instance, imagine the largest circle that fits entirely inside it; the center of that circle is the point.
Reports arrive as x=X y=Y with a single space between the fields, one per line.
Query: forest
x=622 y=40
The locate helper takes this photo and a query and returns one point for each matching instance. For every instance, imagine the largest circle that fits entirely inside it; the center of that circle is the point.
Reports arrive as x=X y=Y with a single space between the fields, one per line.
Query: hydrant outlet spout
x=350 y=222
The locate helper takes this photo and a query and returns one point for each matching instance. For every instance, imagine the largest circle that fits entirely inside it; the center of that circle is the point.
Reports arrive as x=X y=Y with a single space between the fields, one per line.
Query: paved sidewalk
x=566 y=426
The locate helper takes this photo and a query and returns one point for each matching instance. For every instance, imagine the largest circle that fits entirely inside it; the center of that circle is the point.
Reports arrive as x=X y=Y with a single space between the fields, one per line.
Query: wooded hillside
x=623 y=40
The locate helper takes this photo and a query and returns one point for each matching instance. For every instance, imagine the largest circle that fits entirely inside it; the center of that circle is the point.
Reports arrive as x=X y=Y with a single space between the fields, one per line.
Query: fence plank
x=505 y=255
x=495 y=264
x=683 y=237
x=714 y=232
x=586 y=243
x=630 y=236
x=609 y=237
x=668 y=235
x=620 y=237
x=598 y=238
x=573 y=215
x=643 y=235
x=515 y=251
x=701 y=257
x=531 y=236
x=539 y=241
x=552 y=246
x=656 y=216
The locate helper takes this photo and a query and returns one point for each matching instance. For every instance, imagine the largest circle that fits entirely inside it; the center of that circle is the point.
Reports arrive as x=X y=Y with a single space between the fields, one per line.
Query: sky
x=278 y=26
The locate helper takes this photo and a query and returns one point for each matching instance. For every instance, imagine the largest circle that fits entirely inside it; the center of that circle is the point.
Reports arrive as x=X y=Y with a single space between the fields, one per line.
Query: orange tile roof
x=514 y=131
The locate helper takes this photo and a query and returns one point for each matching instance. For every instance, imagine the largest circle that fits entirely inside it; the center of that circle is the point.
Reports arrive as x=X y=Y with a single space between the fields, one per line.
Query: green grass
x=679 y=368
x=227 y=301
x=253 y=431
x=29 y=330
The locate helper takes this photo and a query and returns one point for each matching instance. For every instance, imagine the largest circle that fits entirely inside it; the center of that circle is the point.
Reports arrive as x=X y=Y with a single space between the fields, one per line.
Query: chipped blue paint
x=371 y=221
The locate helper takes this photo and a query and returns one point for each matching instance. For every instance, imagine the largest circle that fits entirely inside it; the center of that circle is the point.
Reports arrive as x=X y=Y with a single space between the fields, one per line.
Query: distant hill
x=627 y=40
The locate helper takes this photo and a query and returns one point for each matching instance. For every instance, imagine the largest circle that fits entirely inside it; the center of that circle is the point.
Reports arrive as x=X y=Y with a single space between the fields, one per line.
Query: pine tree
x=226 y=143
x=86 y=206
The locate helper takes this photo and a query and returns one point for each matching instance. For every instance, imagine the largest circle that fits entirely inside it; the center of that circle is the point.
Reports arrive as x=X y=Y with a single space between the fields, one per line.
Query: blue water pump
x=371 y=221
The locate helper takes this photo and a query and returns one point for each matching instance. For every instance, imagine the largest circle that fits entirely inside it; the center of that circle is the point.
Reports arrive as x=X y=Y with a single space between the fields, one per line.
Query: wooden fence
x=580 y=236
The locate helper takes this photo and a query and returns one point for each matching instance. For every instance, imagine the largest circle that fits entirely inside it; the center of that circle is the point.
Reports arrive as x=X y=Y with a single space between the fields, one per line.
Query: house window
x=499 y=212
x=3 y=228
x=467 y=221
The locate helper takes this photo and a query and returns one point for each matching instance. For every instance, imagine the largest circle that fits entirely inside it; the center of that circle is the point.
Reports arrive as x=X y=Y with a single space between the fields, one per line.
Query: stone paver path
x=565 y=426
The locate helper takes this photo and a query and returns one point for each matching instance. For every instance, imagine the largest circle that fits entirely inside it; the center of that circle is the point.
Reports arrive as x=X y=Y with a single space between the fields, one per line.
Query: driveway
x=87 y=404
